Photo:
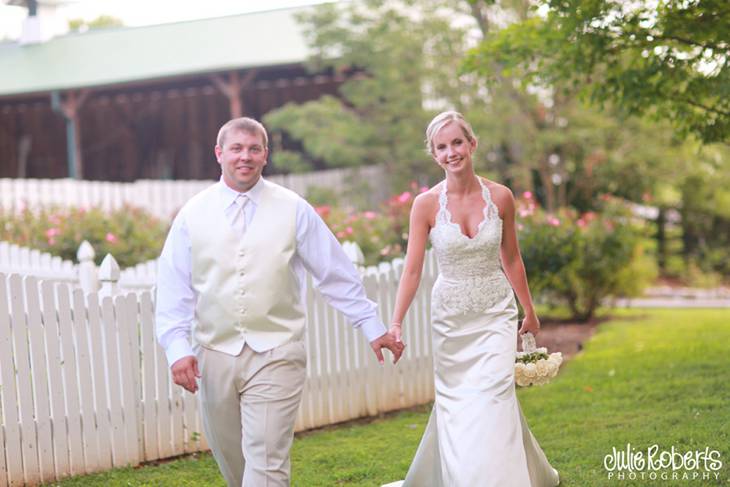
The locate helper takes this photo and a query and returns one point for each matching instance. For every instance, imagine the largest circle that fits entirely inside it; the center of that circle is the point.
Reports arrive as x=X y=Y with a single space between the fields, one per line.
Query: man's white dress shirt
x=318 y=252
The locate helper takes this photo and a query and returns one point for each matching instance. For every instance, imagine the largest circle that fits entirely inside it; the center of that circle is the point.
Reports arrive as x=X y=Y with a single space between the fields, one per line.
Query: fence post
x=109 y=276
x=87 y=269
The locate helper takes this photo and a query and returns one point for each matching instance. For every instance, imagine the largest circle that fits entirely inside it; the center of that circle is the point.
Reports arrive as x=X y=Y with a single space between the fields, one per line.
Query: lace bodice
x=470 y=273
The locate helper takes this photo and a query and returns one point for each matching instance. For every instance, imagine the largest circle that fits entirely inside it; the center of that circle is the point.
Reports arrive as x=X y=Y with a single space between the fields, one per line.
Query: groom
x=232 y=275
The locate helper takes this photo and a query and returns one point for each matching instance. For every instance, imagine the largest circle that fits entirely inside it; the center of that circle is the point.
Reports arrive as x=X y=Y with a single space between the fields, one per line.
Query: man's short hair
x=243 y=124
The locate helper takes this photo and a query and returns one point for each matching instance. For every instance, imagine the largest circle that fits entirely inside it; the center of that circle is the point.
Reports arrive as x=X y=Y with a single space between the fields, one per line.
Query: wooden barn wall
x=162 y=130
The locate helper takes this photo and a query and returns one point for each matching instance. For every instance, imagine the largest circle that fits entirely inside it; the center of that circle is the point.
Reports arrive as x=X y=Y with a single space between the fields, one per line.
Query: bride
x=476 y=435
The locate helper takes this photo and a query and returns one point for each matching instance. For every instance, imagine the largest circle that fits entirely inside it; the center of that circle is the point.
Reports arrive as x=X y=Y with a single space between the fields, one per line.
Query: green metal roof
x=112 y=56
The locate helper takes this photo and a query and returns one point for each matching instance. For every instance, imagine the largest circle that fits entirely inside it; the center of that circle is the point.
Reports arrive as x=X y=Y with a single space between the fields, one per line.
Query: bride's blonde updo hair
x=442 y=120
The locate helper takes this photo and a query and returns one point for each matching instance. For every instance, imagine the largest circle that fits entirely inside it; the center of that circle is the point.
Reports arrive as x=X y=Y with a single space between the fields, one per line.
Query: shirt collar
x=229 y=195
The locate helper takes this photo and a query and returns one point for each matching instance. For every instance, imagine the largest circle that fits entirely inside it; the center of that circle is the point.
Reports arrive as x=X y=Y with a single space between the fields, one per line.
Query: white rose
x=543 y=367
x=530 y=371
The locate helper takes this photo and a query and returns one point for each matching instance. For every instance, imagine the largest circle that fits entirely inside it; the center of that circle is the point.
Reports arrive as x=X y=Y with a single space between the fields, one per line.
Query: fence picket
x=101 y=399
x=149 y=372
x=39 y=374
x=111 y=341
x=178 y=432
x=164 y=409
x=55 y=380
x=89 y=434
x=128 y=363
x=324 y=379
x=70 y=380
x=25 y=394
x=12 y=460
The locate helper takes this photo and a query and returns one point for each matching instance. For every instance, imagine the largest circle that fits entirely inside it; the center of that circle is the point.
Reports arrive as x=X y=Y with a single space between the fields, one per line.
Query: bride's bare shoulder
x=501 y=195
x=426 y=203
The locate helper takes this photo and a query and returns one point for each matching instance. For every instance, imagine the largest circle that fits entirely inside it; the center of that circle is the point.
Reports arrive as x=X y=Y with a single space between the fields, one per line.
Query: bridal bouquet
x=535 y=366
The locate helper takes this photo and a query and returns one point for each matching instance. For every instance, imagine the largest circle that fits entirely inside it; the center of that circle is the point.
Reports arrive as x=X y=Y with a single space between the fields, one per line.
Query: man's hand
x=185 y=371
x=390 y=342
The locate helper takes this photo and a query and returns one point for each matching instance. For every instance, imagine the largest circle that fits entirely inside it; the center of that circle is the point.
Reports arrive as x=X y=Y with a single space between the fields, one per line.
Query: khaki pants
x=248 y=405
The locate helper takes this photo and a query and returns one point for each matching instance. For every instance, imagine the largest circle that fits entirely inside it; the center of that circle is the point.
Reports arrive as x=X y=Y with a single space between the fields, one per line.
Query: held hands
x=184 y=372
x=531 y=324
x=392 y=342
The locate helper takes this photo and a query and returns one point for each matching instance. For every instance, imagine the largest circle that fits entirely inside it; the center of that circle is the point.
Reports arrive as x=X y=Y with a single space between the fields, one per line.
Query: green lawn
x=647 y=377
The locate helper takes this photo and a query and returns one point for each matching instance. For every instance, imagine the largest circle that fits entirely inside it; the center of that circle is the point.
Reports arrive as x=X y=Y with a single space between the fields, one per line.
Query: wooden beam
x=231 y=89
x=70 y=106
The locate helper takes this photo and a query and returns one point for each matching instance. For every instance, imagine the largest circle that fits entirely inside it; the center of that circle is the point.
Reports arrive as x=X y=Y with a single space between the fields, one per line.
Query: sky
x=142 y=12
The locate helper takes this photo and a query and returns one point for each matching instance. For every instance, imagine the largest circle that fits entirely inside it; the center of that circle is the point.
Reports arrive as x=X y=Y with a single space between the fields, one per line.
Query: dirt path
x=567 y=338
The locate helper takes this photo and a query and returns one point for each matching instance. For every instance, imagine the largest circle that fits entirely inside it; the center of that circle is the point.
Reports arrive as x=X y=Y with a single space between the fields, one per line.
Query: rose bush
x=581 y=259
x=382 y=235
x=130 y=234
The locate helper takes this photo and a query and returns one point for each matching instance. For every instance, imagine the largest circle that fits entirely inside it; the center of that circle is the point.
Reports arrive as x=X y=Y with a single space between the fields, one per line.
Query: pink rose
x=323 y=211
x=52 y=232
x=111 y=238
x=370 y=215
x=404 y=197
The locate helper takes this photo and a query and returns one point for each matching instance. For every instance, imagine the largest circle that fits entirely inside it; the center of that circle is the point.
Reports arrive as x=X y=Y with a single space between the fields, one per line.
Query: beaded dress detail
x=471 y=277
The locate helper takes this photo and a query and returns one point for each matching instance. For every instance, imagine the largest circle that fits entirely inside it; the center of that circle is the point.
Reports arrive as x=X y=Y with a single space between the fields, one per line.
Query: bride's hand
x=395 y=330
x=531 y=324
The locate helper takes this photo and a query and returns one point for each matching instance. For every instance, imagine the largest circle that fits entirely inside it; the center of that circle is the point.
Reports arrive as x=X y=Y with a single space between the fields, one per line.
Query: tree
x=668 y=59
x=402 y=58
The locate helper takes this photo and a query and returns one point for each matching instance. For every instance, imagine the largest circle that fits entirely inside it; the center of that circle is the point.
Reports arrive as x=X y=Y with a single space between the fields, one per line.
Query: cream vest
x=246 y=289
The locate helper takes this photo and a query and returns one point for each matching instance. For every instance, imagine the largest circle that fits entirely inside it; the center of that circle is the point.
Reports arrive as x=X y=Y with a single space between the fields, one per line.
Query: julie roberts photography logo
x=655 y=463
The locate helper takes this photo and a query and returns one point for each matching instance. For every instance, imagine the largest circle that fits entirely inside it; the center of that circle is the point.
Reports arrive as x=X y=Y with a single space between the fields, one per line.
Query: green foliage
x=399 y=56
x=579 y=260
x=130 y=234
x=322 y=196
x=100 y=22
x=667 y=59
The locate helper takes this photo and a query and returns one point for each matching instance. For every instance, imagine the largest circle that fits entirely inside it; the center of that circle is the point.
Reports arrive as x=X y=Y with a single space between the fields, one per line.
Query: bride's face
x=452 y=150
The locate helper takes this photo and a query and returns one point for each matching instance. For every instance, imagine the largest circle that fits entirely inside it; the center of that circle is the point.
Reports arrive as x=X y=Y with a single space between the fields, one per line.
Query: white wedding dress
x=476 y=435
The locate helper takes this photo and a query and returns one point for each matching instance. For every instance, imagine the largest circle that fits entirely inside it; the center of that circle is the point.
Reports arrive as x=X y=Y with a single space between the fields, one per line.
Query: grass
x=646 y=377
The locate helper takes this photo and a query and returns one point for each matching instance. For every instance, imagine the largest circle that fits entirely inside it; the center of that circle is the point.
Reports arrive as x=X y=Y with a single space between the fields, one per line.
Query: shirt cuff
x=373 y=328
x=178 y=349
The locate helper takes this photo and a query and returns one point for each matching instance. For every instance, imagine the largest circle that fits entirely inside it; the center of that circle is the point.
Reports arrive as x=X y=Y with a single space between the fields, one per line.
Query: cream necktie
x=239 y=218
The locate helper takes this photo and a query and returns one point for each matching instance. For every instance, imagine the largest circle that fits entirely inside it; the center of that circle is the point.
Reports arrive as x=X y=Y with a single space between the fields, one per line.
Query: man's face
x=242 y=158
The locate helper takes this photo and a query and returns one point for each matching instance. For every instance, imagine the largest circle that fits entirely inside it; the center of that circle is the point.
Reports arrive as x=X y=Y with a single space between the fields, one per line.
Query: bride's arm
x=419 y=228
x=512 y=263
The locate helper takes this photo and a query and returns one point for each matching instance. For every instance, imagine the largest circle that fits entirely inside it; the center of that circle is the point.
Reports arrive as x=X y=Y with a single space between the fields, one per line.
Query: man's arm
x=336 y=278
x=175 y=306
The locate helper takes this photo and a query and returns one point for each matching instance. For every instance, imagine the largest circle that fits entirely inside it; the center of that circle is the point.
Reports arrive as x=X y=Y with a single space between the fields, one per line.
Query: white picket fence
x=84 y=386
x=163 y=198
x=24 y=260
x=108 y=279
